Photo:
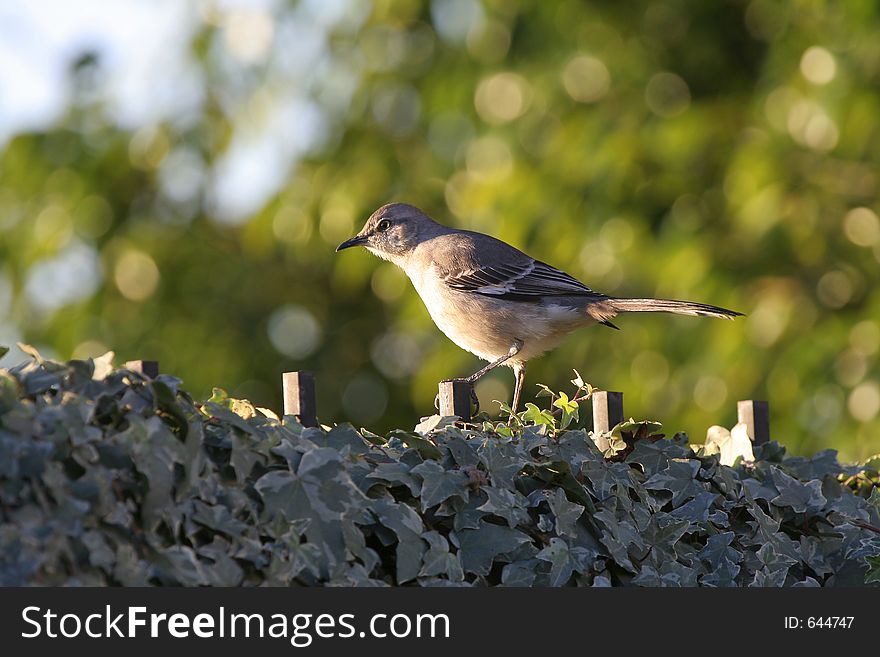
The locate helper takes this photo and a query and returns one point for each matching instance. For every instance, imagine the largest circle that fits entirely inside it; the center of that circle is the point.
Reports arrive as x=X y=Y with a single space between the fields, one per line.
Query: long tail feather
x=671 y=306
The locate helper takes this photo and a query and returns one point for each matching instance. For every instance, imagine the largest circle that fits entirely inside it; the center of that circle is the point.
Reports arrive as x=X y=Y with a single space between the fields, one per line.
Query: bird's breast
x=487 y=326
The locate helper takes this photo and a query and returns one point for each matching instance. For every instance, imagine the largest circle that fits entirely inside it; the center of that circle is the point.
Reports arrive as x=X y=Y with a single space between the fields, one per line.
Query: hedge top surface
x=108 y=477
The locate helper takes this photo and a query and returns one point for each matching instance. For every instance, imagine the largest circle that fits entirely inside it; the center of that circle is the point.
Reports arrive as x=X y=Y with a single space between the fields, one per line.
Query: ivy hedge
x=111 y=478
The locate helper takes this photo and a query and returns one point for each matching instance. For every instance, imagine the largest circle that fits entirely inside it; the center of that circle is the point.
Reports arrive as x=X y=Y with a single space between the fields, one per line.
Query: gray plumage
x=492 y=299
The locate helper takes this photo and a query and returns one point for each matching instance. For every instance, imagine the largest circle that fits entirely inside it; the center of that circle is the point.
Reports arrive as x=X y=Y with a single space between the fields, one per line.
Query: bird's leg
x=514 y=350
x=519 y=371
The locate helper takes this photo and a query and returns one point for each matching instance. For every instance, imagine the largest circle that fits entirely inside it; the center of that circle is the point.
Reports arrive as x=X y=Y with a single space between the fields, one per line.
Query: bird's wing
x=523 y=280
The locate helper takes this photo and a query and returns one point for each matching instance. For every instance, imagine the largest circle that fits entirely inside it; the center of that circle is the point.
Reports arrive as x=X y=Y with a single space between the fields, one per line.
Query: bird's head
x=393 y=231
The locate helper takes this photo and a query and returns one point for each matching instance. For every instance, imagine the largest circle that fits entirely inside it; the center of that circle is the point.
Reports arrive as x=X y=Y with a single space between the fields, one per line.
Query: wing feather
x=521 y=282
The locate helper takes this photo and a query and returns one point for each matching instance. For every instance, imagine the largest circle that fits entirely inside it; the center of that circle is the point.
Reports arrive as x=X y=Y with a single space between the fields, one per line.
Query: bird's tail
x=671 y=306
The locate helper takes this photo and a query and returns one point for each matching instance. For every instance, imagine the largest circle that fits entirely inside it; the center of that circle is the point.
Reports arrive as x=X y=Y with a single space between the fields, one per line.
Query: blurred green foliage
x=724 y=152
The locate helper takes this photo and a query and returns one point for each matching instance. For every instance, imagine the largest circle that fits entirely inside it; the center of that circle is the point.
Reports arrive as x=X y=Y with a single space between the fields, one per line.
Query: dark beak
x=357 y=240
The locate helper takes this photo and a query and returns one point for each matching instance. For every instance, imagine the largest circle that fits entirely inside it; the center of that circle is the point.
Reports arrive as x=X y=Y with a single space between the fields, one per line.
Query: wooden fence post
x=455 y=398
x=299 y=397
x=149 y=368
x=756 y=416
x=607 y=410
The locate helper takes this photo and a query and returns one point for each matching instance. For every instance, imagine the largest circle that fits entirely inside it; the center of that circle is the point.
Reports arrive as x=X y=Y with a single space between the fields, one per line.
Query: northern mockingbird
x=492 y=299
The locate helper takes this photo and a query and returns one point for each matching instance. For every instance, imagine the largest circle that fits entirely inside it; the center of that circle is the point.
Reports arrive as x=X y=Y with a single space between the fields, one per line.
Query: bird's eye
x=383 y=225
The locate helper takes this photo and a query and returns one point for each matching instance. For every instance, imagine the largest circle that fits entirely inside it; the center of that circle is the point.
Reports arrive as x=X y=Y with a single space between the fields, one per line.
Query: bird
x=490 y=298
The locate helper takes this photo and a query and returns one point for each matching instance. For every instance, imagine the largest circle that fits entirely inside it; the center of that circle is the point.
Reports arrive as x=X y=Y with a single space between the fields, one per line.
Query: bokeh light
x=136 y=275
x=818 y=65
x=294 y=331
x=586 y=79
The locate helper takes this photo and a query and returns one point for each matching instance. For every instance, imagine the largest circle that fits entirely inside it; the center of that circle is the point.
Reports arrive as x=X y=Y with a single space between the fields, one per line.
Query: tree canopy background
x=182 y=199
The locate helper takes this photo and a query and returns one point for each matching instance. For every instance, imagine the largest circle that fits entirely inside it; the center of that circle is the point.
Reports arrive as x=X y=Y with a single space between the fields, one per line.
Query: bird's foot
x=474 y=399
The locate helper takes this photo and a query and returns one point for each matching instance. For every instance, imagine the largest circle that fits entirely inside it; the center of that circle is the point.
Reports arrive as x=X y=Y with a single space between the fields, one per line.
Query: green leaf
x=874 y=498
x=545 y=391
x=123 y=480
x=679 y=478
x=480 y=548
x=219 y=396
x=507 y=504
x=396 y=473
x=504 y=407
x=717 y=552
x=642 y=428
x=655 y=456
x=408 y=527
x=537 y=416
x=439 y=484
x=424 y=446
x=434 y=423
x=569 y=410
x=438 y=560
x=800 y=497
x=519 y=573
x=566 y=513
x=564 y=560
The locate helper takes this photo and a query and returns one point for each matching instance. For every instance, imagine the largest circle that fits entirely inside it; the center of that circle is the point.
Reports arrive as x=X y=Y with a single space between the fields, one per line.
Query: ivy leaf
x=544 y=391
x=679 y=479
x=697 y=509
x=506 y=504
x=800 y=497
x=639 y=429
x=179 y=565
x=124 y=480
x=408 y=527
x=434 y=423
x=619 y=536
x=717 y=552
x=662 y=533
x=519 y=573
x=396 y=473
x=569 y=410
x=564 y=560
x=479 y=548
x=345 y=436
x=655 y=456
x=566 y=513
x=731 y=445
x=773 y=560
x=438 y=560
x=765 y=578
x=874 y=499
x=537 y=416
x=439 y=484
x=425 y=447
x=503 y=462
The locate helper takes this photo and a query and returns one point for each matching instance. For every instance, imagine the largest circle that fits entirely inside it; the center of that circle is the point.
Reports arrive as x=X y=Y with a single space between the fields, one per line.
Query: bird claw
x=475 y=401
